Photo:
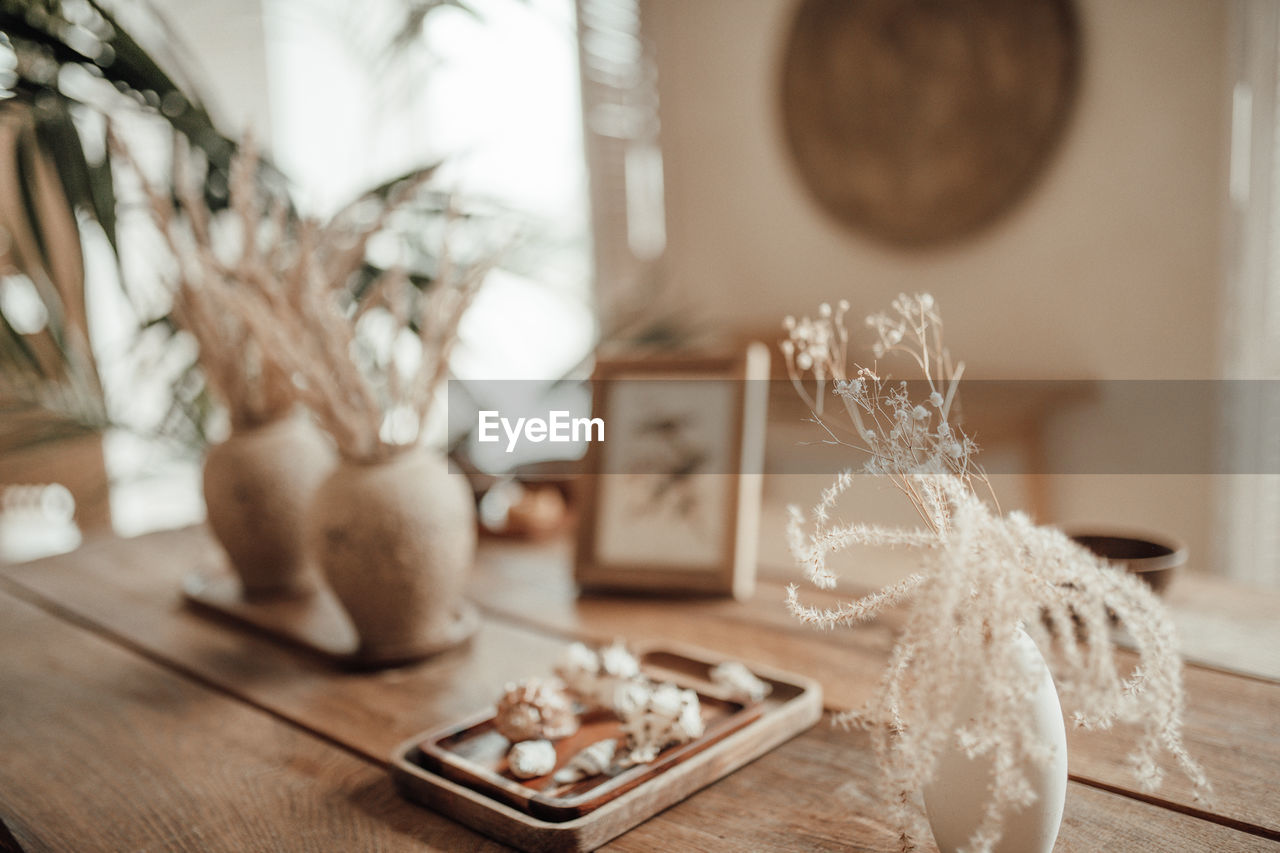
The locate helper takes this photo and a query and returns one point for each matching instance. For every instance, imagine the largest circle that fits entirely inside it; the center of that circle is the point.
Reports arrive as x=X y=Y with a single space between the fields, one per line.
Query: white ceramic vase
x=956 y=798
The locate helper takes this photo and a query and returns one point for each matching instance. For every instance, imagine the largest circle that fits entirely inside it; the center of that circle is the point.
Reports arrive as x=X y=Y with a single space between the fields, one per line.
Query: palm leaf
x=53 y=227
x=17 y=27
x=18 y=354
x=25 y=153
x=87 y=187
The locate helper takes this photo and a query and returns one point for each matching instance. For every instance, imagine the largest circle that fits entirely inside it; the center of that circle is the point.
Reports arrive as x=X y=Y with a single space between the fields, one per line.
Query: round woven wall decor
x=922 y=122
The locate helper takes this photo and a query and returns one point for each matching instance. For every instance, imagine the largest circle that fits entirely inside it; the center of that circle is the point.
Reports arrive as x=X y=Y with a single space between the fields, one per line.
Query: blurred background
x=682 y=173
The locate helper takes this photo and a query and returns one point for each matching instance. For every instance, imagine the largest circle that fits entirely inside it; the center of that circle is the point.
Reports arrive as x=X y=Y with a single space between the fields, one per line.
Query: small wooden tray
x=475 y=755
x=314 y=622
x=460 y=770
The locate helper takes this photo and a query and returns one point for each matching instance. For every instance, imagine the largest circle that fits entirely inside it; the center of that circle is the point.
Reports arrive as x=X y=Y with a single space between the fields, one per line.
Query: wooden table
x=130 y=723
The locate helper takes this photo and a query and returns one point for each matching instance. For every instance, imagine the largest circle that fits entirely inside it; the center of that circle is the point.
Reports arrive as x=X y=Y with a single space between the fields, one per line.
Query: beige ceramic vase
x=395 y=540
x=258 y=485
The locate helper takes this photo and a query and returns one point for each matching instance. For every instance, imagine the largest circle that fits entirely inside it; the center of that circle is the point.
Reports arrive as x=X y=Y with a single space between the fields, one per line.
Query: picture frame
x=670 y=500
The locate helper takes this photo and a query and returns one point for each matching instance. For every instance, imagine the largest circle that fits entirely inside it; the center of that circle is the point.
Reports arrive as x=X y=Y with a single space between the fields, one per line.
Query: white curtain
x=1250 y=509
x=624 y=155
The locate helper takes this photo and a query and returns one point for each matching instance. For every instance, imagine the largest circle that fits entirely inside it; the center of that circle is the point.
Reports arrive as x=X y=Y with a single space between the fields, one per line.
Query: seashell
x=630 y=696
x=579 y=668
x=669 y=716
x=603 y=679
x=535 y=709
x=591 y=761
x=531 y=758
x=617 y=662
x=739 y=682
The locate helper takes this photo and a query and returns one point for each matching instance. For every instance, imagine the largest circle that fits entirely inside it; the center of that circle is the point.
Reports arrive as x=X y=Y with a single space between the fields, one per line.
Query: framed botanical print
x=671 y=496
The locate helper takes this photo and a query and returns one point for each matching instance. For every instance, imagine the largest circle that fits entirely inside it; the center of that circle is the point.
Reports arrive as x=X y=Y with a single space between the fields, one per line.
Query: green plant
x=66 y=64
x=66 y=67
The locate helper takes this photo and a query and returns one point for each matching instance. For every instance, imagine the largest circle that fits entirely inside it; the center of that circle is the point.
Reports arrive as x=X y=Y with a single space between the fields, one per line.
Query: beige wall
x=225 y=46
x=1109 y=269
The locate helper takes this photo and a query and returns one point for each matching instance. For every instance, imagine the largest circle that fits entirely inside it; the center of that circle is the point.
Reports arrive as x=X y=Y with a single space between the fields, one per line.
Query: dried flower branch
x=983 y=578
x=281 y=323
x=901 y=436
x=241 y=373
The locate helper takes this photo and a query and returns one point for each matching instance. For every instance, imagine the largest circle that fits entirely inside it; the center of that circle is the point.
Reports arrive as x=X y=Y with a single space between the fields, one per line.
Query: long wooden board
x=314 y=623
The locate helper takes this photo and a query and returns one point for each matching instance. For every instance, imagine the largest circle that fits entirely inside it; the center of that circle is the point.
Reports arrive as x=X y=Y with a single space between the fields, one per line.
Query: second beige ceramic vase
x=396 y=539
x=258 y=486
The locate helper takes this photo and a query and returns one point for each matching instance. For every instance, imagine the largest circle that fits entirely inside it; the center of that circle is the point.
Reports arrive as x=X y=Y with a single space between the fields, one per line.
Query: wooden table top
x=128 y=722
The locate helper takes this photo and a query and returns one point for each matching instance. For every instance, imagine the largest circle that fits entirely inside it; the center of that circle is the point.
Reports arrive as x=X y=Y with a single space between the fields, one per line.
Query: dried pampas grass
x=280 y=323
x=983 y=577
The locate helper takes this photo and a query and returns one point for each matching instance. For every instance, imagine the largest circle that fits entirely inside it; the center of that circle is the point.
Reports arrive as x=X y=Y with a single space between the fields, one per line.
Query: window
x=495 y=93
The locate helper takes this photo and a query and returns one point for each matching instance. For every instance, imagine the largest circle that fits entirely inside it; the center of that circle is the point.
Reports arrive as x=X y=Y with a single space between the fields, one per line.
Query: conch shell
x=739 y=682
x=669 y=715
x=531 y=758
x=535 y=709
x=591 y=761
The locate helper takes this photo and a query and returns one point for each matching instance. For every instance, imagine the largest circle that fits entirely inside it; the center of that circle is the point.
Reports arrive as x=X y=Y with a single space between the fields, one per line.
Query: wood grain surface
x=828 y=802
x=810 y=793
x=106 y=751
x=8 y=844
x=1232 y=722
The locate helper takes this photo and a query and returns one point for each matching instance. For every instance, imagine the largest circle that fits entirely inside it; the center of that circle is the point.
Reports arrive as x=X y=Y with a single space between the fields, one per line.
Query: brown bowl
x=1152 y=558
